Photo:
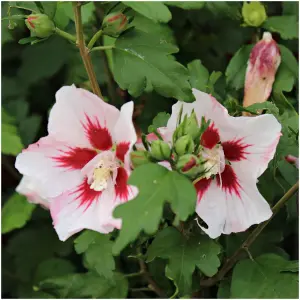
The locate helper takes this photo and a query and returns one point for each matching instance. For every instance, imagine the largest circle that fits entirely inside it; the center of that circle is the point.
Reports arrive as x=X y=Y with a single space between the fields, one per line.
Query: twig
x=150 y=280
x=250 y=239
x=84 y=51
x=145 y=289
x=134 y=274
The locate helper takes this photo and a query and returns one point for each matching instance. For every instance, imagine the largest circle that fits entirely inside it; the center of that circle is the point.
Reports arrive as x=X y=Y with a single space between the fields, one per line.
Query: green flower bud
x=184 y=145
x=114 y=23
x=189 y=165
x=40 y=25
x=160 y=150
x=189 y=126
x=254 y=13
x=139 y=157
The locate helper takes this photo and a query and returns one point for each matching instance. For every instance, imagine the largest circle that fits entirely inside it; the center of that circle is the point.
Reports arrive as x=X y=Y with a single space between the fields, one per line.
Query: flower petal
x=82 y=119
x=82 y=209
x=123 y=191
x=233 y=206
x=251 y=142
x=52 y=165
x=31 y=188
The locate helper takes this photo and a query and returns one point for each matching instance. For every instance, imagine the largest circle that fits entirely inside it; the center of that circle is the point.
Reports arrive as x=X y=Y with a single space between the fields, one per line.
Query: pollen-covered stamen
x=103 y=173
x=214 y=161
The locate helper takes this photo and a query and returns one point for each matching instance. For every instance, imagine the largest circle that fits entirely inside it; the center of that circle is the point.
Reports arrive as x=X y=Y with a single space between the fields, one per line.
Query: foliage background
x=31 y=74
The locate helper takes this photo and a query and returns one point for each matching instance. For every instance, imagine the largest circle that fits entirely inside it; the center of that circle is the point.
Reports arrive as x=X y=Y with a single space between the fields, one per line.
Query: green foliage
x=186 y=4
x=286 y=26
x=153 y=67
x=157 y=186
x=16 y=212
x=199 y=75
x=97 y=249
x=160 y=120
x=184 y=254
x=265 y=277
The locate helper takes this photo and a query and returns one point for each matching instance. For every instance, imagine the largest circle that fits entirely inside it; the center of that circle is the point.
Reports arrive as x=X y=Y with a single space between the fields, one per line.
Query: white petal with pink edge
x=70 y=215
x=32 y=189
x=53 y=164
x=81 y=118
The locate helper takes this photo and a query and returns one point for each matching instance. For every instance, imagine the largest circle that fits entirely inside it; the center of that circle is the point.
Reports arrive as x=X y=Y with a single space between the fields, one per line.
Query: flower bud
x=139 y=158
x=40 y=25
x=263 y=63
x=114 y=23
x=160 y=150
x=188 y=164
x=189 y=126
x=292 y=160
x=184 y=145
x=254 y=13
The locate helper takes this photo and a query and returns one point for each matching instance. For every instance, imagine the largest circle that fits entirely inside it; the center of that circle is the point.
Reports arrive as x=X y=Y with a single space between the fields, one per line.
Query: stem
x=154 y=287
x=101 y=48
x=145 y=289
x=65 y=35
x=94 y=39
x=84 y=51
x=134 y=274
x=250 y=239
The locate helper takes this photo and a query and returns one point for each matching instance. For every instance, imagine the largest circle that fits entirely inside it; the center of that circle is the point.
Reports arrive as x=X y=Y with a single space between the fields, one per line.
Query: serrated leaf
x=142 y=62
x=236 y=69
x=88 y=285
x=184 y=255
x=156 y=185
x=199 y=75
x=156 y=11
x=10 y=140
x=269 y=106
x=186 y=4
x=16 y=212
x=160 y=120
x=97 y=249
x=286 y=26
x=263 y=278
x=292 y=266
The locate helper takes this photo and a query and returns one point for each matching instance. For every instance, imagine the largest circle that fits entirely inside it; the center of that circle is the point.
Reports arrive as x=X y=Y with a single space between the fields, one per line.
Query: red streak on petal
x=29 y=19
x=210 y=137
x=121 y=150
x=114 y=18
x=189 y=164
x=121 y=187
x=98 y=136
x=235 y=150
x=75 y=158
x=86 y=195
x=201 y=187
x=230 y=182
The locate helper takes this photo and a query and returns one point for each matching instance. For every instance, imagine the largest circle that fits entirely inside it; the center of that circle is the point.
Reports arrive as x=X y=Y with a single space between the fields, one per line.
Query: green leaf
x=184 y=255
x=225 y=8
x=87 y=285
x=49 y=8
x=10 y=140
x=199 y=75
x=27 y=40
x=87 y=11
x=29 y=128
x=156 y=11
x=160 y=120
x=16 y=212
x=224 y=289
x=290 y=8
x=61 y=19
x=292 y=266
x=186 y=4
x=263 y=278
x=156 y=185
x=97 y=249
x=6 y=118
x=286 y=26
x=236 y=69
x=142 y=62
x=27 y=5
x=269 y=106
x=289 y=172
x=53 y=267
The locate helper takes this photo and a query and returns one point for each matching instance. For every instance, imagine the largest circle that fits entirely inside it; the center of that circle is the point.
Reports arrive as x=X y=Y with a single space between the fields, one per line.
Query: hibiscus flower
x=235 y=151
x=82 y=166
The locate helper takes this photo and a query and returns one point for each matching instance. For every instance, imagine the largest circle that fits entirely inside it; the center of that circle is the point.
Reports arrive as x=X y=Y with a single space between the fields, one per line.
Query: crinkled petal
x=251 y=142
x=226 y=209
x=82 y=119
x=53 y=164
x=83 y=208
x=32 y=189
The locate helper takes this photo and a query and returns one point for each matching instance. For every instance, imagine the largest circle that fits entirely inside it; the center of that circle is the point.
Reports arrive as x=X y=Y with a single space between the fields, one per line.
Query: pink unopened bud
x=293 y=160
x=263 y=63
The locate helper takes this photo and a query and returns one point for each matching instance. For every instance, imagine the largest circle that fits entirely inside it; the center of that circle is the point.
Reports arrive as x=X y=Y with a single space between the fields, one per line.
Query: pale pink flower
x=263 y=63
x=82 y=166
x=237 y=151
x=30 y=188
